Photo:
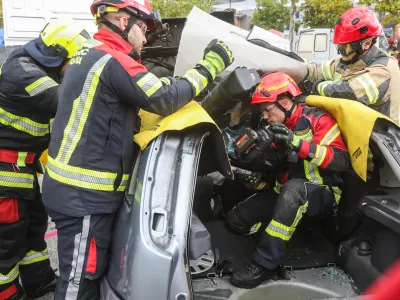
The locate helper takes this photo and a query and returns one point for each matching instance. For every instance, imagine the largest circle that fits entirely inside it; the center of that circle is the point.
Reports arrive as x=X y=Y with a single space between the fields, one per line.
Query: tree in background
x=324 y=13
x=271 y=14
x=180 y=8
x=292 y=23
x=390 y=9
x=1 y=14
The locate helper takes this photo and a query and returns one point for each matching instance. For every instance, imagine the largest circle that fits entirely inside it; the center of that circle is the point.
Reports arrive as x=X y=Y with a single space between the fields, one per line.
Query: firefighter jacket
x=322 y=151
x=373 y=80
x=91 y=150
x=28 y=102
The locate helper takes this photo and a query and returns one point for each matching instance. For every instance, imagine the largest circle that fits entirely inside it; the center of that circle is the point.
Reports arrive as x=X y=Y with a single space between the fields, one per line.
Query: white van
x=316 y=45
x=23 y=20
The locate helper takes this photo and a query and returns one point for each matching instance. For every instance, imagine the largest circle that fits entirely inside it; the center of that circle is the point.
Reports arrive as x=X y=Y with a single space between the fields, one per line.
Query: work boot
x=251 y=275
x=48 y=288
x=236 y=223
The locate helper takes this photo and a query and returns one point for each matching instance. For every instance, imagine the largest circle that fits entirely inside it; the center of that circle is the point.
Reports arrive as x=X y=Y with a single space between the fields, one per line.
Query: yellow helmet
x=65 y=35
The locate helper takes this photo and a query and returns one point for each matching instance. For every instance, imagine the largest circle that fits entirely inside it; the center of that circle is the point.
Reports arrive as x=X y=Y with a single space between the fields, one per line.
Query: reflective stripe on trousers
x=10 y=277
x=16 y=180
x=81 y=241
x=30 y=258
x=33 y=257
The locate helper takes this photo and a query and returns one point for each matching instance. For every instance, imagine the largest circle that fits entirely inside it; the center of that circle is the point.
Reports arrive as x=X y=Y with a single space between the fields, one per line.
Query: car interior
x=335 y=258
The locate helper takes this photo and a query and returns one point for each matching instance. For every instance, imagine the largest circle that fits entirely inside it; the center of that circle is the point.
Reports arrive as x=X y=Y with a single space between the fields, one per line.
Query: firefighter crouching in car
x=363 y=73
x=309 y=186
x=91 y=150
x=28 y=101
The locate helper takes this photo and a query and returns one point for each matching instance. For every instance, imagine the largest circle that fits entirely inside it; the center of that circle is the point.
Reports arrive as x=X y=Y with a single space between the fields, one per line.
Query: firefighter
x=29 y=82
x=363 y=73
x=91 y=151
x=392 y=50
x=309 y=185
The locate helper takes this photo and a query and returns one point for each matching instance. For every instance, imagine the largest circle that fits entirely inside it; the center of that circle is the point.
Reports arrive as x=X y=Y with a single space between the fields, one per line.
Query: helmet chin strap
x=287 y=113
x=356 y=57
x=359 y=51
x=122 y=33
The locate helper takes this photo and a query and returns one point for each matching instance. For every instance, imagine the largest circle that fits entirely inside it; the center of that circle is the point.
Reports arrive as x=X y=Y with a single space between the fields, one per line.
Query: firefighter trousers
x=83 y=253
x=276 y=216
x=23 y=251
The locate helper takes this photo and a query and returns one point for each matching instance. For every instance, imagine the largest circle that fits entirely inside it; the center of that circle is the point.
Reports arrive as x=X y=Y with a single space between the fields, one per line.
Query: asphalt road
x=51 y=239
x=52 y=246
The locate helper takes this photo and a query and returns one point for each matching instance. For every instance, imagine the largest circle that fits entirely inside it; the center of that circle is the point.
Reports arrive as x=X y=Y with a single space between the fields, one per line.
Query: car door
x=149 y=255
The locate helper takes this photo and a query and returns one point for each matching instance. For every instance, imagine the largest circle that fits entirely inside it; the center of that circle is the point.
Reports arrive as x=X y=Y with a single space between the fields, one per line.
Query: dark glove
x=252 y=144
x=285 y=136
x=253 y=181
x=217 y=57
x=314 y=89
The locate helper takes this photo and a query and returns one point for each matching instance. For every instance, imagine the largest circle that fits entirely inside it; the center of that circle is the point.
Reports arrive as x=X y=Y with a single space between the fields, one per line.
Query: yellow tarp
x=190 y=115
x=43 y=158
x=153 y=125
x=356 y=122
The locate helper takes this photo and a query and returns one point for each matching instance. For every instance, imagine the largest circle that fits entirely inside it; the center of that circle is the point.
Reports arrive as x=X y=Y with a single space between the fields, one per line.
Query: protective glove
x=254 y=181
x=314 y=89
x=285 y=137
x=217 y=57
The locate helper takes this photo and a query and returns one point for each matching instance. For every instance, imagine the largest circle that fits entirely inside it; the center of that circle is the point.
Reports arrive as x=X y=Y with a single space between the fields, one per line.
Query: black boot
x=251 y=275
x=48 y=288
x=236 y=223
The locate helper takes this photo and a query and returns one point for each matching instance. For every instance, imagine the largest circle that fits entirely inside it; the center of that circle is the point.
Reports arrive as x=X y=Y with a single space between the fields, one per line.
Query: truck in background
x=316 y=45
x=23 y=20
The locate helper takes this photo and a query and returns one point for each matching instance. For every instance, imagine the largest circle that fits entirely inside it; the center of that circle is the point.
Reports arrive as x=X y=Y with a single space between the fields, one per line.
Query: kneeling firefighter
x=308 y=185
x=28 y=101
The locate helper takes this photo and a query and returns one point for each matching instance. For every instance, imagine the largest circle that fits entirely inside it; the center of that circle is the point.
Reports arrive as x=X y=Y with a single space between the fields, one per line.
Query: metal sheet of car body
x=201 y=28
x=149 y=250
x=273 y=39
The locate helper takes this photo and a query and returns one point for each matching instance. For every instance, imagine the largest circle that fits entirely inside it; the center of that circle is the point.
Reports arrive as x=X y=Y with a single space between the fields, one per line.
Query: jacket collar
x=113 y=40
x=292 y=121
x=371 y=55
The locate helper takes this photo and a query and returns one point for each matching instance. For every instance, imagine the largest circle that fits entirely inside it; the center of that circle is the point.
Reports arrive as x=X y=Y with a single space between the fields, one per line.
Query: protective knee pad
x=236 y=223
x=292 y=196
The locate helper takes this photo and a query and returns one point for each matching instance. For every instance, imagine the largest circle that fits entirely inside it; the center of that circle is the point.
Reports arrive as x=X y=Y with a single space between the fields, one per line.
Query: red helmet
x=356 y=24
x=138 y=8
x=391 y=40
x=273 y=85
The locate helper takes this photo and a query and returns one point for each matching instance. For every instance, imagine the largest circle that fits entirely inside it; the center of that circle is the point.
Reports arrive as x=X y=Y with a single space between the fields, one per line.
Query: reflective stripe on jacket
x=28 y=100
x=373 y=80
x=91 y=149
x=322 y=152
